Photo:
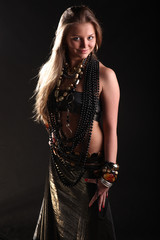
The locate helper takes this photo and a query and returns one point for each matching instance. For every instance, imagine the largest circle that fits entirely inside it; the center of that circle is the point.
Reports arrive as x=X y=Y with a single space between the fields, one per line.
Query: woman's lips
x=83 y=51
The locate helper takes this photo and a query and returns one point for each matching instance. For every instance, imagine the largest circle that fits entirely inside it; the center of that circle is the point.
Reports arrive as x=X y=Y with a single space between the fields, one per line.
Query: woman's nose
x=83 y=43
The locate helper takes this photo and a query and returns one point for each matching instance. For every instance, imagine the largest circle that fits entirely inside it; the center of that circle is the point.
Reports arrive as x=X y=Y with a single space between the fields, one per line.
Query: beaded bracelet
x=109 y=173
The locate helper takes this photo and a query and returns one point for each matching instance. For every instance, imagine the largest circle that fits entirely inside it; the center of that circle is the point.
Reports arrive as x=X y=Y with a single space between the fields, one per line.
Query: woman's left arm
x=110 y=95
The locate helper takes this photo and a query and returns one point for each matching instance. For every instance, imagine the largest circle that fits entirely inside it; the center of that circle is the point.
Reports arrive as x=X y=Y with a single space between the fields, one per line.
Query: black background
x=129 y=47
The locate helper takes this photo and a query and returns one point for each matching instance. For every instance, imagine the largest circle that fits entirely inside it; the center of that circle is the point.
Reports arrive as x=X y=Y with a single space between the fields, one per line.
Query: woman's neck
x=74 y=62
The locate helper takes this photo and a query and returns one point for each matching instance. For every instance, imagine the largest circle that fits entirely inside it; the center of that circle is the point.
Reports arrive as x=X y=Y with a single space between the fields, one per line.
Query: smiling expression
x=81 y=40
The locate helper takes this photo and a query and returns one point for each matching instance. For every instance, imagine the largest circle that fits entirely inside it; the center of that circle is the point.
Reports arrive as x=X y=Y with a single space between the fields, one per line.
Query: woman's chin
x=84 y=55
x=79 y=56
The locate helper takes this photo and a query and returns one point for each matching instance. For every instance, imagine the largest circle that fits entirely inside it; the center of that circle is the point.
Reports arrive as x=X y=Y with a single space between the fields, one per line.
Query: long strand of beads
x=71 y=86
x=68 y=95
x=84 y=128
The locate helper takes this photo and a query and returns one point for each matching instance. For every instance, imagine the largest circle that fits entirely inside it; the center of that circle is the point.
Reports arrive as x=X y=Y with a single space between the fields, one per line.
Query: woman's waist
x=96 y=141
x=93 y=160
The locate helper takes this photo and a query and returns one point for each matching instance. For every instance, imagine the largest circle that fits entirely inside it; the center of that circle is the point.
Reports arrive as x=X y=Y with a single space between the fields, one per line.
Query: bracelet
x=110 y=171
x=105 y=183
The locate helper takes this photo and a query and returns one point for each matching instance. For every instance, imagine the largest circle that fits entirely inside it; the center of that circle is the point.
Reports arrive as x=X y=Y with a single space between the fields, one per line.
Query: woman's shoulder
x=106 y=73
x=107 y=77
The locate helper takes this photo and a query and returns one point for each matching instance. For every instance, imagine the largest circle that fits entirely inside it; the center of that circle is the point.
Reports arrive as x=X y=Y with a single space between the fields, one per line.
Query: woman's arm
x=110 y=96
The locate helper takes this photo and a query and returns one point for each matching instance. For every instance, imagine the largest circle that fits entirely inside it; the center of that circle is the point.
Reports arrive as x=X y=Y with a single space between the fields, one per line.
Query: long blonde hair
x=50 y=72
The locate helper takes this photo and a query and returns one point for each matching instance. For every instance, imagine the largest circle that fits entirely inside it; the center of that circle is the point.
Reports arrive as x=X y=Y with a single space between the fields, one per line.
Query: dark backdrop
x=129 y=46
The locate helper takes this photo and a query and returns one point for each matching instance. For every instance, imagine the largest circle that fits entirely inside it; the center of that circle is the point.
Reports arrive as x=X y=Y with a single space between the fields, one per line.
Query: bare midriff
x=96 y=142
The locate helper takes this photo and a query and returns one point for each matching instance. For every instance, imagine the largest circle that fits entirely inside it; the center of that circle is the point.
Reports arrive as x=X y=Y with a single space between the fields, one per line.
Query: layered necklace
x=66 y=95
x=83 y=131
x=68 y=73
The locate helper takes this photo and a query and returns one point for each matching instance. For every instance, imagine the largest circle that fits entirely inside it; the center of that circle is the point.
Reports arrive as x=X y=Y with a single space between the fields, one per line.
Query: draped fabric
x=65 y=214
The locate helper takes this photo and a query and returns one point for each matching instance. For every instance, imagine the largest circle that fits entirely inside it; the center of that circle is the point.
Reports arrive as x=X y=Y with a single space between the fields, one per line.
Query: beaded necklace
x=67 y=94
x=76 y=75
x=84 y=128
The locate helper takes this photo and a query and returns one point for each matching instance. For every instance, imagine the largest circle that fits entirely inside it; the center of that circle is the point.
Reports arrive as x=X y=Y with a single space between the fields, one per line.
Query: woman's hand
x=102 y=192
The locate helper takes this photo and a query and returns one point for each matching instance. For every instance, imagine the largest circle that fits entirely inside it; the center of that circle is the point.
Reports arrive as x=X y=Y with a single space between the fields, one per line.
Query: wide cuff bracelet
x=105 y=183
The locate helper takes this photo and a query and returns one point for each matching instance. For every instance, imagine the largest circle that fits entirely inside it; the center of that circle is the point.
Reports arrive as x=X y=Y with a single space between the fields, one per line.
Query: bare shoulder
x=106 y=74
x=108 y=79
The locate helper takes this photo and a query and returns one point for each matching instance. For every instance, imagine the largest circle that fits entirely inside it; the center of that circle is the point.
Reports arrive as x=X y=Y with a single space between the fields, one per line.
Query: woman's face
x=81 y=40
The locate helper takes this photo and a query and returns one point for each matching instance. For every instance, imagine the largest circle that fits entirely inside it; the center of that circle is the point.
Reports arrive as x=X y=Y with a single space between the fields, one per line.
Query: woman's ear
x=96 y=47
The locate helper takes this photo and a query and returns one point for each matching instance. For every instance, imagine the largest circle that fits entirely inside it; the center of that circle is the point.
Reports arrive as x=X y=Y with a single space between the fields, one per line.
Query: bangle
x=105 y=183
x=110 y=172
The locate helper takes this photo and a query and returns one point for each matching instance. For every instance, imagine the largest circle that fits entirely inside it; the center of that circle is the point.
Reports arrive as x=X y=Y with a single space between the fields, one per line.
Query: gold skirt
x=65 y=214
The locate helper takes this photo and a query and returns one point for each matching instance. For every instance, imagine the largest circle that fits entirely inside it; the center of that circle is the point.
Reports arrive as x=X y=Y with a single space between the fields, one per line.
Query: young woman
x=77 y=99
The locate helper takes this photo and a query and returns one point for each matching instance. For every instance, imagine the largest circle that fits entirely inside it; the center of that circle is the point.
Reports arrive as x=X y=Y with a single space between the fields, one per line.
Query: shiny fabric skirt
x=65 y=214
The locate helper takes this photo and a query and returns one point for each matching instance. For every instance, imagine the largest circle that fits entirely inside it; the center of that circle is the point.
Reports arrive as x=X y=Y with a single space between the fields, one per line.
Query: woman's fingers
x=104 y=201
x=100 y=202
x=94 y=198
x=102 y=193
x=90 y=180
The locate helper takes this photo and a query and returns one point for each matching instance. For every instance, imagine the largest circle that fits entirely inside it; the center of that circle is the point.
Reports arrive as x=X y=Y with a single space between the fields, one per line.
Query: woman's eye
x=90 y=37
x=76 y=38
